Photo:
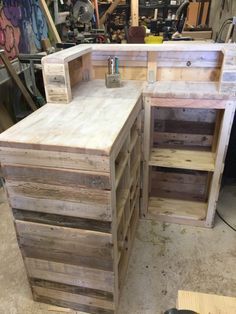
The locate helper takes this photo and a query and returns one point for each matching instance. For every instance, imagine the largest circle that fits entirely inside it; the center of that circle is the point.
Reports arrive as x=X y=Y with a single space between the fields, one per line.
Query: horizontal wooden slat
x=54 y=239
x=182 y=159
x=61 y=207
x=62 y=303
x=179 y=176
x=81 y=301
x=62 y=221
x=122 y=63
x=184 y=127
x=70 y=274
x=99 y=294
x=63 y=160
x=176 y=208
x=185 y=114
x=54 y=176
x=131 y=73
x=123 y=55
x=189 y=103
x=177 y=139
x=199 y=59
x=61 y=256
x=188 y=74
x=47 y=191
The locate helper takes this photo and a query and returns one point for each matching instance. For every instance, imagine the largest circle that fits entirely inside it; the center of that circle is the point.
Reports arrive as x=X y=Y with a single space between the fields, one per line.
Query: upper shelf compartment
x=169 y=63
x=182 y=159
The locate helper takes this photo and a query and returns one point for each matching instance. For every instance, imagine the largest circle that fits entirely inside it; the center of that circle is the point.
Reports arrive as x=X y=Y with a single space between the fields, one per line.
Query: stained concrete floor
x=165 y=258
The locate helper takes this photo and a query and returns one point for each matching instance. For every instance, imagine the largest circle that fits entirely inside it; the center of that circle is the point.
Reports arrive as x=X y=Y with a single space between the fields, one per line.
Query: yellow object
x=153 y=39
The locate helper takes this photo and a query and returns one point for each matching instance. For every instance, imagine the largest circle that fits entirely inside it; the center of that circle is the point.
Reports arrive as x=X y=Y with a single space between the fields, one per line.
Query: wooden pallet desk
x=73 y=182
x=73 y=168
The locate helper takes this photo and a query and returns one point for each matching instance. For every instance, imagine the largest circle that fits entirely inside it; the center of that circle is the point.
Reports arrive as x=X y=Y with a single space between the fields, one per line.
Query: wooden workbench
x=73 y=168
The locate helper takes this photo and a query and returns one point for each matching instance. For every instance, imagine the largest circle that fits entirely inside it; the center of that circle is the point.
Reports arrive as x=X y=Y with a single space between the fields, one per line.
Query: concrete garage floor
x=165 y=258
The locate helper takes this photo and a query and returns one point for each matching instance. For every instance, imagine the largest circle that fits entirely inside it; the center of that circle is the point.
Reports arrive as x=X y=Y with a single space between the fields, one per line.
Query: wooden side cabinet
x=185 y=143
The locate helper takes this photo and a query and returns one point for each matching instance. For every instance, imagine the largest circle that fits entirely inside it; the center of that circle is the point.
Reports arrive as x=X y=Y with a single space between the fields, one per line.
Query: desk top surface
x=90 y=123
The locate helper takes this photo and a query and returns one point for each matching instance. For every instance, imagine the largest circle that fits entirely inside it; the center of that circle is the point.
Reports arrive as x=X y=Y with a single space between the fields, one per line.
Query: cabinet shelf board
x=177 y=208
x=182 y=159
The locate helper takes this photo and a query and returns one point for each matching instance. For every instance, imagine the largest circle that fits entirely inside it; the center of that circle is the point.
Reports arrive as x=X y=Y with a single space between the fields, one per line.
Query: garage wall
x=215 y=21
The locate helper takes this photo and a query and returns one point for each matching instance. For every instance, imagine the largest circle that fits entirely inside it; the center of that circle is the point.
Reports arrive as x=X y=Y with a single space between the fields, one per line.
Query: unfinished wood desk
x=72 y=168
x=73 y=182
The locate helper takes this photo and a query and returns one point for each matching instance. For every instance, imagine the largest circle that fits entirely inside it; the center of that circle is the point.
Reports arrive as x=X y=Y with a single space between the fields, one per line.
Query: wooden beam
x=97 y=12
x=50 y=22
x=110 y=10
x=152 y=67
x=146 y=156
x=221 y=151
x=134 y=13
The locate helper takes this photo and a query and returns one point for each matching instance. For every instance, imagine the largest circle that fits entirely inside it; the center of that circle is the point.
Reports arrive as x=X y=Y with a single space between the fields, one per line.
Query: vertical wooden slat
x=152 y=67
x=221 y=151
x=134 y=12
x=146 y=155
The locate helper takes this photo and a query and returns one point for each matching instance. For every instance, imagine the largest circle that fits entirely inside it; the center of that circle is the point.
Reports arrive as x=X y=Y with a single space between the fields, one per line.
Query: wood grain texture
x=47 y=191
x=175 y=140
x=62 y=221
x=164 y=100
x=130 y=73
x=54 y=159
x=54 y=176
x=187 y=90
x=176 y=184
x=182 y=159
x=176 y=208
x=191 y=59
x=146 y=155
x=222 y=146
x=61 y=207
x=74 y=301
x=85 y=242
x=75 y=52
x=187 y=74
x=99 y=294
x=90 y=127
x=70 y=274
x=206 y=303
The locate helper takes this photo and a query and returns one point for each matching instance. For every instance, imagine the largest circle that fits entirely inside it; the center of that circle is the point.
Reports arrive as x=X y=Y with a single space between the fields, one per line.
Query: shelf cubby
x=184 y=150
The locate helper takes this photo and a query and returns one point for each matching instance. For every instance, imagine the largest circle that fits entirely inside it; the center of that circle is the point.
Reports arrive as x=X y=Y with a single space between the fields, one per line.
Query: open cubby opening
x=180 y=184
x=184 y=128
